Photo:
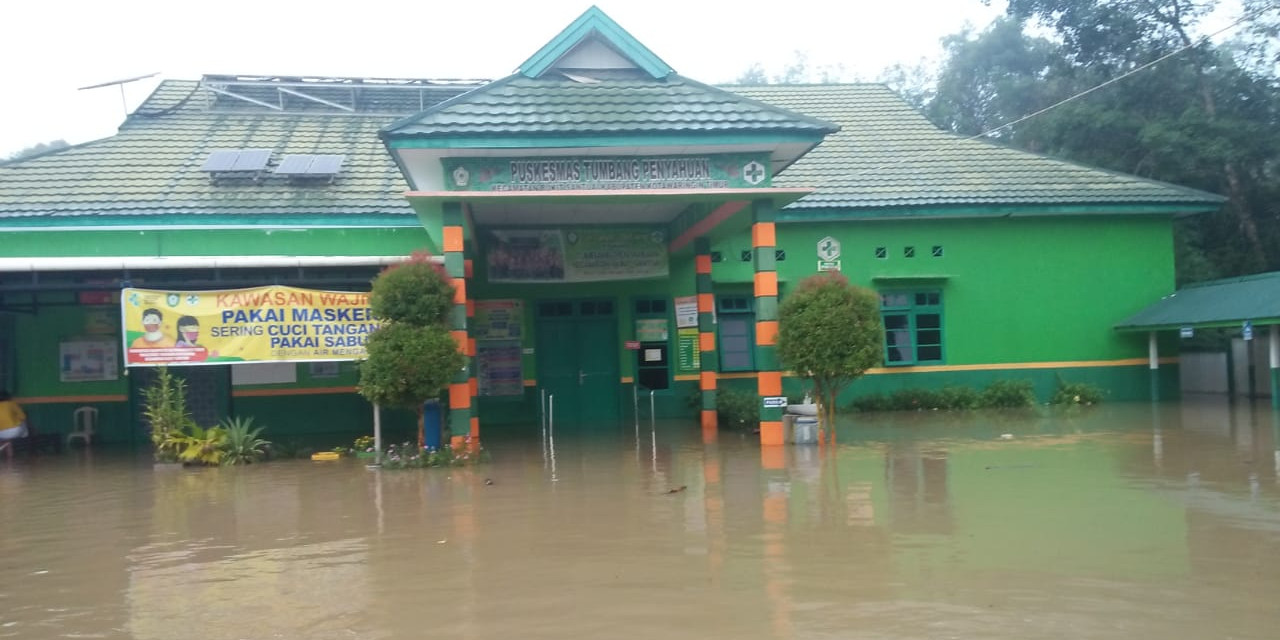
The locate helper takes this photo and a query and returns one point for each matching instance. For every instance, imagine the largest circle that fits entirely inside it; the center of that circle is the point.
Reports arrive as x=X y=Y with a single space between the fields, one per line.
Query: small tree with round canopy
x=829 y=333
x=412 y=357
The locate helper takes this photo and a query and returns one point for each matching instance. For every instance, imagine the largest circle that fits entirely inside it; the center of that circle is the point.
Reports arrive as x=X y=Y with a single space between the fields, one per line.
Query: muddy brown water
x=1113 y=522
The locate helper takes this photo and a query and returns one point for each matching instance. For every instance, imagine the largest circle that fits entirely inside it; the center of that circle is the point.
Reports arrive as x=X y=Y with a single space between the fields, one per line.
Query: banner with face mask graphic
x=262 y=324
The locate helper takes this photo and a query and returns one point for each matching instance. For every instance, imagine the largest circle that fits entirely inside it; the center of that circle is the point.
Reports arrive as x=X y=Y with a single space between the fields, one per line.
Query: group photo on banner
x=259 y=324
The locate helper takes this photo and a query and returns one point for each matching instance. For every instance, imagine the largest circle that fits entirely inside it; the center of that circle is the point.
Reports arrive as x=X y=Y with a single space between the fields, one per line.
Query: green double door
x=577 y=351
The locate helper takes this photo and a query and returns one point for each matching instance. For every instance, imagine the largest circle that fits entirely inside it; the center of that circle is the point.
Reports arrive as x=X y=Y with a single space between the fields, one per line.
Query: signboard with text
x=261 y=324
x=595 y=173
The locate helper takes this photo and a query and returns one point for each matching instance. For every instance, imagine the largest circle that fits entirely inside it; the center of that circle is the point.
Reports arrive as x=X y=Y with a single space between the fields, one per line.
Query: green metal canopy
x=1219 y=303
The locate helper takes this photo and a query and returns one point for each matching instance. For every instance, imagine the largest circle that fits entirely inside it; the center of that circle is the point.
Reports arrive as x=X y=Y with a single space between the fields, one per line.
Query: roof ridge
x=560 y=95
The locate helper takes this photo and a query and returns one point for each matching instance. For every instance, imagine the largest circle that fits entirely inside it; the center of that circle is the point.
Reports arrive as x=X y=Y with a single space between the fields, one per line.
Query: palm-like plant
x=240 y=441
x=202 y=446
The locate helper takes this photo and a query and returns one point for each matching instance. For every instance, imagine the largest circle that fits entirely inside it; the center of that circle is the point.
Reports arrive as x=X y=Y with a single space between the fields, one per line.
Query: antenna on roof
x=122 y=83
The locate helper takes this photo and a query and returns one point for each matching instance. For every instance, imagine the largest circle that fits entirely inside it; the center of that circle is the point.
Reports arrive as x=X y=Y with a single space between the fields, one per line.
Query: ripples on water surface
x=1114 y=522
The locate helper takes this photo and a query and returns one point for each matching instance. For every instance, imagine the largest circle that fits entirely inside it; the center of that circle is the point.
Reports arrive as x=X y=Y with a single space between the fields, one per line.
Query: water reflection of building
x=229 y=549
x=918 y=500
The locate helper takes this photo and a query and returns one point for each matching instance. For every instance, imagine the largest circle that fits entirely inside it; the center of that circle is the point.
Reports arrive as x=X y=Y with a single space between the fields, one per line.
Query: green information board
x=688 y=356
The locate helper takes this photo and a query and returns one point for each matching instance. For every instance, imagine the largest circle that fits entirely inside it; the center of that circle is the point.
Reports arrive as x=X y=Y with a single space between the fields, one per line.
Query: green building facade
x=615 y=231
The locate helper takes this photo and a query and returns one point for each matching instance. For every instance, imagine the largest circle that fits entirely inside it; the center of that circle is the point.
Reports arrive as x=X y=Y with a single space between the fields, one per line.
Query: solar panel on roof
x=252 y=160
x=294 y=164
x=326 y=165
x=221 y=160
x=302 y=165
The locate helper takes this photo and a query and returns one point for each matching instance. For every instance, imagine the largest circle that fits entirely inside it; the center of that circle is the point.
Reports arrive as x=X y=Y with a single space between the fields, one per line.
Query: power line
x=1202 y=40
x=1118 y=78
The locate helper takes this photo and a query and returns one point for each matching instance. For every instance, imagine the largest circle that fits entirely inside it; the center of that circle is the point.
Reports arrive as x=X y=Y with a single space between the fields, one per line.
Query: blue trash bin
x=431 y=421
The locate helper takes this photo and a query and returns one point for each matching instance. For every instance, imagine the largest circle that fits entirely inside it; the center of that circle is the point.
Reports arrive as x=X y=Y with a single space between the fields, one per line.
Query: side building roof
x=888 y=159
x=150 y=171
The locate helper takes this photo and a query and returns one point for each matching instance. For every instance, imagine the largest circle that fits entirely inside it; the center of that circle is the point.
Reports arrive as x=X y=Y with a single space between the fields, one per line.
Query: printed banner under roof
x=260 y=324
x=574 y=255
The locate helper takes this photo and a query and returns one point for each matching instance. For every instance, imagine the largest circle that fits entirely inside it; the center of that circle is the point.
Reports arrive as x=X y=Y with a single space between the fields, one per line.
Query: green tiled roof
x=152 y=166
x=1221 y=302
x=887 y=154
x=885 y=157
x=612 y=102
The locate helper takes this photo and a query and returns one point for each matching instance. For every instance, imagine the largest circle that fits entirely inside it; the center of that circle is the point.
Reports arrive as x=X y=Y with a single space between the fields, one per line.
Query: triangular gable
x=594 y=39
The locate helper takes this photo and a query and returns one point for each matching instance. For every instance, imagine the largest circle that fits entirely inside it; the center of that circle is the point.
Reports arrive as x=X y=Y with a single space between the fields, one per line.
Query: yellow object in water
x=326 y=455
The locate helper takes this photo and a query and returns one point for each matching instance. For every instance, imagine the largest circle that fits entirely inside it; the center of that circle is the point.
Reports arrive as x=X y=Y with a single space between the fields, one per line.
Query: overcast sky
x=49 y=48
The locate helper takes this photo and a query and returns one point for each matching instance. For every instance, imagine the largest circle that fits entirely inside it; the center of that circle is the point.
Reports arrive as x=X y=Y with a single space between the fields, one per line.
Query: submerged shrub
x=915 y=400
x=1076 y=393
x=738 y=409
x=1009 y=394
x=408 y=456
x=871 y=402
x=960 y=398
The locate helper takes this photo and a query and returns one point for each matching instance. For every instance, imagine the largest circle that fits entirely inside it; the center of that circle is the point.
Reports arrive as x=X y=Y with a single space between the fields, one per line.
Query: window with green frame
x=736 y=333
x=912 y=327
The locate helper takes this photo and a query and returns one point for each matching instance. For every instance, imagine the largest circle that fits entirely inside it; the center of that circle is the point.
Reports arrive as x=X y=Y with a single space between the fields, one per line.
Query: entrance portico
x=580 y=197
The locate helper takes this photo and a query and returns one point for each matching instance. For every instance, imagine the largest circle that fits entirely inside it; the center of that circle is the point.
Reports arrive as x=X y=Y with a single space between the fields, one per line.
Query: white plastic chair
x=84 y=422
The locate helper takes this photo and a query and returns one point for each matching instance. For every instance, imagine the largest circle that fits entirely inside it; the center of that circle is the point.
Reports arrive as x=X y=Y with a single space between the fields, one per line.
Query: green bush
x=412 y=356
x=408 y=365
x=871 y=402
x=1009 y=394
x=1001 y=394
x=829 y=334
x=960 y=398
x=915 y=400
x=1076 y=393
x=416 y=292
x=738 y=409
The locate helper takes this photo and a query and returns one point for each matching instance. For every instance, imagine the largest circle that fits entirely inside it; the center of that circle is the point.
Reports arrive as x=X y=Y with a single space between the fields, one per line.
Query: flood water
x=1113 y=522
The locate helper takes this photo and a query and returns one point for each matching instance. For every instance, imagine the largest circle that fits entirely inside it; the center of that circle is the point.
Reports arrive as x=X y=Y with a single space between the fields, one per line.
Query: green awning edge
x=1218 y=303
